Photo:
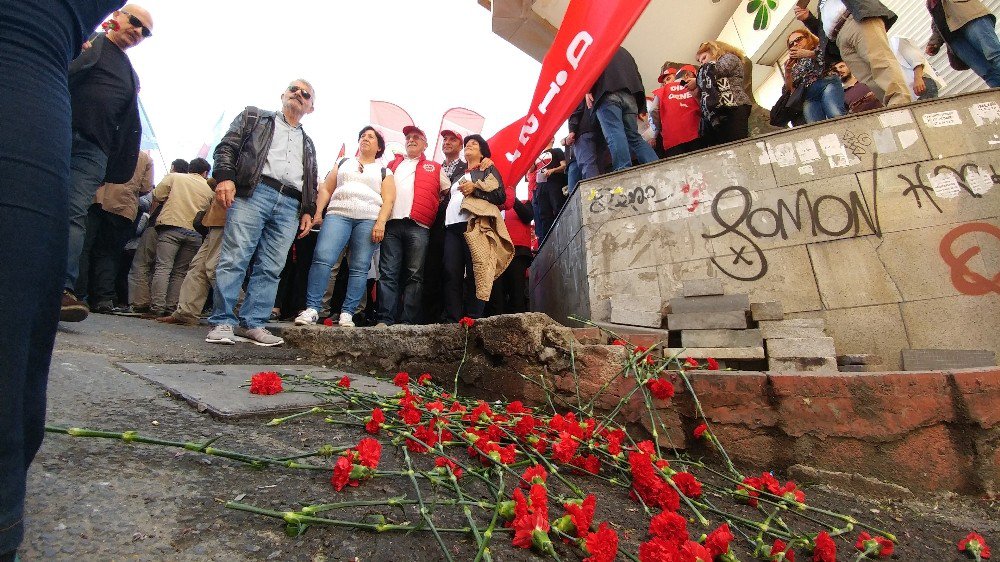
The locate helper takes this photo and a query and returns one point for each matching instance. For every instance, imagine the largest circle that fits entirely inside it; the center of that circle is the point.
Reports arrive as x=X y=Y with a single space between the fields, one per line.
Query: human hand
x=801 y=53
x=225 y=193
x=931 y=50
x=305 y=223
x=378 y=231
x=570 y=139
x=590 y=100
x=801 y=13
x=466 y=187
x=919 y=87
x=485 y=163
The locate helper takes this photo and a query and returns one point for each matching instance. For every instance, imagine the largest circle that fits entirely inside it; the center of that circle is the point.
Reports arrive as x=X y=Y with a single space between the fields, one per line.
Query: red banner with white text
x=590 y=33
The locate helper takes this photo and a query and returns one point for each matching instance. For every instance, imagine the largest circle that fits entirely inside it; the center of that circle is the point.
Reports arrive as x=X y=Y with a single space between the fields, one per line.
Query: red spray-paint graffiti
x=969 y=282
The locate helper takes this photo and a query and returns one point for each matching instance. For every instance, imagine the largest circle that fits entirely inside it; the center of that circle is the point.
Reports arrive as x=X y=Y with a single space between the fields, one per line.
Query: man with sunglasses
x=265 y=166
x=104 y=95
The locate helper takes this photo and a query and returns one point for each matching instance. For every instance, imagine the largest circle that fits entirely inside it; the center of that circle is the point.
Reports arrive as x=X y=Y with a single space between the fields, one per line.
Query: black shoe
x=72 y=310
x=103 y=308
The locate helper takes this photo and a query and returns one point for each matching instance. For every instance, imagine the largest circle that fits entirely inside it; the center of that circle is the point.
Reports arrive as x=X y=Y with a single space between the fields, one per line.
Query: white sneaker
x=260 y=336
x=223 y=333
x=307 y=317
x=346 y=320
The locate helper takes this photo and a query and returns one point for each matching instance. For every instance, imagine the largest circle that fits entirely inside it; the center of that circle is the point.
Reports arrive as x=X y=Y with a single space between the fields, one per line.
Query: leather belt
x=840 y=24
x=283 y=189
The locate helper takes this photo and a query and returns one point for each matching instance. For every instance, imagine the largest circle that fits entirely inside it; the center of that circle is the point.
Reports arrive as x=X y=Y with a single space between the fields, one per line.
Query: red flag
x=343 y=151
x=389 y=120
x=460 y=120
x=590 y=34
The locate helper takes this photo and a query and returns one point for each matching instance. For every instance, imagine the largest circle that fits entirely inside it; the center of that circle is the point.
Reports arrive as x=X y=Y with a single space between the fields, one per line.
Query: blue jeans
x=335 y=234
x=618 y=115
x=87 y=166
x=976 y=43
x=401 y=262
x=824 y=99
x=263 y=227
x=572 y=175
x=585 y=150
x=35 y=145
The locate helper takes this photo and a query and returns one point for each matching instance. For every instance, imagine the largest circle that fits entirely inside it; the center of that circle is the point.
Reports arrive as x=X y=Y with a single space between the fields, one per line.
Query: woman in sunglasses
x=823 y=96
x=353 y=205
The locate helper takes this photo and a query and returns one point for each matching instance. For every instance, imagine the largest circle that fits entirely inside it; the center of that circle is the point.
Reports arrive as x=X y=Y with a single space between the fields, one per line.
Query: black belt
x=283 y=189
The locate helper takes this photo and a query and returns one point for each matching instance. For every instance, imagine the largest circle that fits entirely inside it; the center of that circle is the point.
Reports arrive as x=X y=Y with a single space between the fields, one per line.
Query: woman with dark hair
x=806 y=67
x=356 y=198
x=725 y=103
x=477 y=247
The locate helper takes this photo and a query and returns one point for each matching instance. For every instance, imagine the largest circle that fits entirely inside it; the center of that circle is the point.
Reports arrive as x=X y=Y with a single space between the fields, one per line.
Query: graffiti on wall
x=963 y=277
x=946 y=182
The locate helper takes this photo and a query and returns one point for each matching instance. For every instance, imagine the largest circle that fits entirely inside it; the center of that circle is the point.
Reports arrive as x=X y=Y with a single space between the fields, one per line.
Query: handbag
x=788 y=107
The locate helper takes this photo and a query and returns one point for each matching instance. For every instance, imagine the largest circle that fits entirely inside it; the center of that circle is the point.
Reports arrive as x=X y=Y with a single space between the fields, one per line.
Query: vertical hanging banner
x=389 y=119
x=591 y=32
x=460 y=120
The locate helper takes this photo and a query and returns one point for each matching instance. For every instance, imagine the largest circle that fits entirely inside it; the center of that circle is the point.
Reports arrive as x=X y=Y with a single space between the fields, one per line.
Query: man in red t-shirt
x=676 y=114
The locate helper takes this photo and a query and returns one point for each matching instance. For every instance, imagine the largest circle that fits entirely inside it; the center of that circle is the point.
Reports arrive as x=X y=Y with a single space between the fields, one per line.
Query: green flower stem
x=204 y=448
x=484 y=548
x=863 y=555
x=423 y=508
x=576 y=378
x=279 y=421
x=701 y=414
x=466 y=510
x=391 y=502
x=299 y=518
x=465 y=354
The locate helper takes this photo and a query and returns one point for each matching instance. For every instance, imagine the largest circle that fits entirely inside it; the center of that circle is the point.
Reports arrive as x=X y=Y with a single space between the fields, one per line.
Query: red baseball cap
x=664 y=73
x=689 y=68
x=450 y=133
x=407 y=130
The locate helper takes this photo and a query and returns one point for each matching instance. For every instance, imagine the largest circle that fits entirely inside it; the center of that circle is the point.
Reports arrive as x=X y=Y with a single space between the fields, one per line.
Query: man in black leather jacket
x=265 y=166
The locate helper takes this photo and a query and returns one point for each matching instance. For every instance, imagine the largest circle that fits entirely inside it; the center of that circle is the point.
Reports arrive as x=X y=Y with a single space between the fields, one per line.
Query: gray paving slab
x=223 y=390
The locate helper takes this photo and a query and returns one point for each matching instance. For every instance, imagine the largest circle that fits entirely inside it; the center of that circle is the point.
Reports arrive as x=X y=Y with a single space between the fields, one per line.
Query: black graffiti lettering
x=916 y=186
x=739 y=257
x=731 y=228
x=847 y=212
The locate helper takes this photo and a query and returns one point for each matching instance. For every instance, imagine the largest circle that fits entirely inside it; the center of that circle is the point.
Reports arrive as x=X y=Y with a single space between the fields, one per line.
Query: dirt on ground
x=98 y=499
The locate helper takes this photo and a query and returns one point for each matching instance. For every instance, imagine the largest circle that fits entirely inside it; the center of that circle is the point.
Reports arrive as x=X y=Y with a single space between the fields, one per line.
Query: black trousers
x=459 y=282
x=509 y=291
x=733 y=125
x=103 y=244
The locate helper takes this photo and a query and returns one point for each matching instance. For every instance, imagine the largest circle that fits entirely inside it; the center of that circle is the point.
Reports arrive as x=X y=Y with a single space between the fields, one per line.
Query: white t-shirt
x=358 y=195
x=404 y=177
x=829 y=14
x=454 y=214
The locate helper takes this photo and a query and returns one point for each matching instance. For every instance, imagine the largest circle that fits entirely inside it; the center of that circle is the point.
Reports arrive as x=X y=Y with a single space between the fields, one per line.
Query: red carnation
x=524 y=427
x=517 y=407
x=825 y=550
x=649 y=485
x=375 y=421
x=687 y=484
x=589 y=463
x=424 y=379
x=328 y=322
x=615 y=439
x=446 y=462
x=669 y=526
x=718 y=540
x=369 y=451
x=266 y=383
x=880 y=546
x=691 y=362
x=700 y=430
x=659 y=550
x=974 y=544
x=427 y=438
x=402 y=380
x=621 y=343
x=602 y=546
x=341 y=473
x=410 y=415
x=713 y=365
x=344 y=382
x=531 y=519
x=565 y=448
x=534 y=475
x=661 y=388
x=781 y=551
x=466 y=322
x=582 y=514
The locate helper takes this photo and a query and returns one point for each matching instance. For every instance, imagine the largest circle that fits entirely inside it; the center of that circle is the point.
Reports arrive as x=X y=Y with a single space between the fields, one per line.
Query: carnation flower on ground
x=265 y=383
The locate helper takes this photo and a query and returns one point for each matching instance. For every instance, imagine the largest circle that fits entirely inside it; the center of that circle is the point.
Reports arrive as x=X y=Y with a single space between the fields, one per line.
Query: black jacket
x=124 y=155
x=242 y=153
x=622 y=73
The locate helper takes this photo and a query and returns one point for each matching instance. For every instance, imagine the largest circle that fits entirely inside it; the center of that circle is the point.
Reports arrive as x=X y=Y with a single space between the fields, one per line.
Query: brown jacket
x=489 y=242
x=122 y=199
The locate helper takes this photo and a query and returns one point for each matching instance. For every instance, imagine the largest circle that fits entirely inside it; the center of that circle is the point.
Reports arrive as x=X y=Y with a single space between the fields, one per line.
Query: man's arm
x=162 y=190
x=227 y=152
x=146 y=183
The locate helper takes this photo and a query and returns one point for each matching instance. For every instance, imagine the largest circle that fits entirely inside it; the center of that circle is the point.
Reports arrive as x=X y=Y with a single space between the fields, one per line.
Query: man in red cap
x=676 y=114
x=419 y=184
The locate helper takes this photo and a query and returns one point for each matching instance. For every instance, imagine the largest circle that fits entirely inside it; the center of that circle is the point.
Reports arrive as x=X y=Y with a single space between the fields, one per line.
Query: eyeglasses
x=136 y=22
x=305 y=93
x=795 y=41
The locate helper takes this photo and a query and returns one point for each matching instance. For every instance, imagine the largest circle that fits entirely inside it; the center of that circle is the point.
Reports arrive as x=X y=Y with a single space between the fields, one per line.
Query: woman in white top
x=356 y=198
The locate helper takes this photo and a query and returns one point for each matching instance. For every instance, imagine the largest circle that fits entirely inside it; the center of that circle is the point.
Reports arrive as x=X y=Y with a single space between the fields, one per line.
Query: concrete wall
x=885 y=224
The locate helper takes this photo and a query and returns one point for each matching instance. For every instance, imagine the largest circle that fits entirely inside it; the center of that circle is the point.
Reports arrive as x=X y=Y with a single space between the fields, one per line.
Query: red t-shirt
x=679 y=114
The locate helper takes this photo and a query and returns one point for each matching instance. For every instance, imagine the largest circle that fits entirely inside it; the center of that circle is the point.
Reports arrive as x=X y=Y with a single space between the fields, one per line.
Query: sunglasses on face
x=305 y=93
x=136 y=22
x=795 y=41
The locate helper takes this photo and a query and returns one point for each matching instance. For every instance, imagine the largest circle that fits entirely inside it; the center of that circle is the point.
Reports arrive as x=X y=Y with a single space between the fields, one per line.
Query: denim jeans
x=572 y=175
x=35 y=145
x=459 y=282
x=585 y=149
x=175 y=248
x=87 y=164
x=261 y=227
x=103 y=244
x=335 y=234
x=618 y=116
x=976 y=43
x=931 y=89
x=824 y=99
x=401 y=263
